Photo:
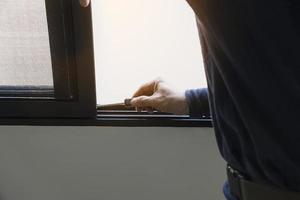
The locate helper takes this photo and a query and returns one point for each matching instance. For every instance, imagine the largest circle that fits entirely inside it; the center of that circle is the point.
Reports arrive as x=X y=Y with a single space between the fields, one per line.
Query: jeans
x=226 y=191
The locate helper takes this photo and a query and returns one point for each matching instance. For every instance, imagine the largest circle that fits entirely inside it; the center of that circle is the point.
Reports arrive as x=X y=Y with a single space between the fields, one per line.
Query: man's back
x=252 y=56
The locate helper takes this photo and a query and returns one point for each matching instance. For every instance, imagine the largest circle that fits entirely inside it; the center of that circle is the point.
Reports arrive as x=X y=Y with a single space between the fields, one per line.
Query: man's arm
x=159 y=96
x=197 y=101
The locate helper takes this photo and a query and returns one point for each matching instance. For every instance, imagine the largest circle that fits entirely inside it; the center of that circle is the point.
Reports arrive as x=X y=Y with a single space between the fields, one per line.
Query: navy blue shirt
x=251 y=51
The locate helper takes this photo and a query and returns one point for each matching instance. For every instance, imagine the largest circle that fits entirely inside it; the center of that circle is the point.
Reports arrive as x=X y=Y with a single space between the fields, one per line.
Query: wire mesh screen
x=25 y=58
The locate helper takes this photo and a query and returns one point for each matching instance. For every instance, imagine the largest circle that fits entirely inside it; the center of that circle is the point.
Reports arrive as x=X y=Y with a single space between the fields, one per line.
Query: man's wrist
x=183 y=109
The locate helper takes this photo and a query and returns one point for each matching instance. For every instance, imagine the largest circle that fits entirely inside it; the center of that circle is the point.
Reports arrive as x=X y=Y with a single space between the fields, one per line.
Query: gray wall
x=89 y=163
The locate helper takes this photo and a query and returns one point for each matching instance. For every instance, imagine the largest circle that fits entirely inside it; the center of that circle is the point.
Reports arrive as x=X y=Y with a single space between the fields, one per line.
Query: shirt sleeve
x=197 y=100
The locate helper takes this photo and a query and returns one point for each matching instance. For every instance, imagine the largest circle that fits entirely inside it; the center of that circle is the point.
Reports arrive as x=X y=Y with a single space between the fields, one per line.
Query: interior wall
x=92 y=163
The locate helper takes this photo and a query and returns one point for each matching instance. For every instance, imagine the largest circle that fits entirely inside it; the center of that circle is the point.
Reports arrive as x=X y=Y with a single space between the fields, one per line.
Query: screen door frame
x=74 y=91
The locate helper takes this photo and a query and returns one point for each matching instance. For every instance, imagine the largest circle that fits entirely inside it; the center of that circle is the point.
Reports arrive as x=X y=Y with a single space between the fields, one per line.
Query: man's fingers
x=144 y=98
x=147 y=89
x=84 y=3
x=143 y=102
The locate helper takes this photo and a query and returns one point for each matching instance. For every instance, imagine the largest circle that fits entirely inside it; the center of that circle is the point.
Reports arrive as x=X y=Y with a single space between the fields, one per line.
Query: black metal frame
x=61 y=38
x=72 y=99
x=13 y=92
x=157 y=119
x=116 y=119
x=74 y=94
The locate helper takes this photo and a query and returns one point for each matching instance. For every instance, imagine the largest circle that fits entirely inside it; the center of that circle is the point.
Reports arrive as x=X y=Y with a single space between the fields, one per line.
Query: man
x=251 y=51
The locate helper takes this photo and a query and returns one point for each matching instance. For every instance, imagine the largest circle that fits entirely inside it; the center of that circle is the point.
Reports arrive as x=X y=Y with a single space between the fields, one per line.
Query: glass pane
x=139 y=40
x=25 y=58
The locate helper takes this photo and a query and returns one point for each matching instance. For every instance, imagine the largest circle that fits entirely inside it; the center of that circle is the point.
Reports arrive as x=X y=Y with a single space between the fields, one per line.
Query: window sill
x=116 y=119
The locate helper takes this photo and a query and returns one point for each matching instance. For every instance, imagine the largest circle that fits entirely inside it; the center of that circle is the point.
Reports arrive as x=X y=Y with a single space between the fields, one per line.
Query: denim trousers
x=226 y=191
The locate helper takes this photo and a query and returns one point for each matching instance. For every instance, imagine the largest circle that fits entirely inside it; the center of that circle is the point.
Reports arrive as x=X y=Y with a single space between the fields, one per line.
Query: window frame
x=73 y=102
x=113 y=119
x=71 y=44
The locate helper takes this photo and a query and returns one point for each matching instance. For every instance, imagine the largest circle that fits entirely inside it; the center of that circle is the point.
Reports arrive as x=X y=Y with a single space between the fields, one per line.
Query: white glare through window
x=136 y=41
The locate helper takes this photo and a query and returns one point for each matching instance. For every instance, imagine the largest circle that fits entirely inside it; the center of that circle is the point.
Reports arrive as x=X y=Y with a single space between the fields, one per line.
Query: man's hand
x=157 y=95
x=84 y=3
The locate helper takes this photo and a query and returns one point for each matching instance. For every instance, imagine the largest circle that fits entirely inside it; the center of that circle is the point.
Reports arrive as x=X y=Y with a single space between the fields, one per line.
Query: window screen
x=25 y=58
x=46 y=60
